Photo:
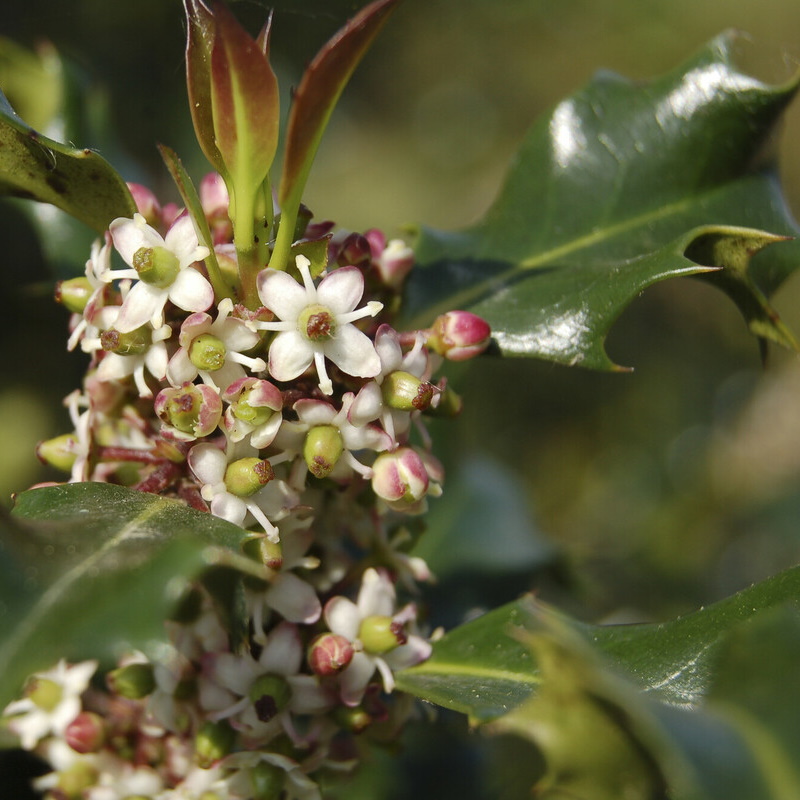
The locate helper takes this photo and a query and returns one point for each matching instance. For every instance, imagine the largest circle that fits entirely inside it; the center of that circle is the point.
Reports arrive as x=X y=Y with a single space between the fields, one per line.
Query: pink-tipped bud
x=86 y=733
x=459 y=335
x=215 y=200
x=400 y=478
x=394 y=263
x=329 y=654
x=189 y=411
x=355 y=251
x=146 y=204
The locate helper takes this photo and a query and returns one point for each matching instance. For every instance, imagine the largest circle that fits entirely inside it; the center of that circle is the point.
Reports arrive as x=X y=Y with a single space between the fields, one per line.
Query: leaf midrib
x=471 y=294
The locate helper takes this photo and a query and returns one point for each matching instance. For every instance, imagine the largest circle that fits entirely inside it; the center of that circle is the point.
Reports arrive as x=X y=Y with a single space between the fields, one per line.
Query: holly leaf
x=622 y=185
x=77 y=181
x=88 y=569
x=479 y=669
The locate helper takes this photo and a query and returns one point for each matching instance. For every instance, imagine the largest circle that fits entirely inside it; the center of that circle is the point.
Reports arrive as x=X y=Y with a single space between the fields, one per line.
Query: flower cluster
x=300 y=419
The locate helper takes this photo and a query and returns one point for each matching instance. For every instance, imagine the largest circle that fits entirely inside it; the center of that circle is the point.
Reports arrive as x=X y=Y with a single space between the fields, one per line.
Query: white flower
x=377 y=633
x=214 y=349
x=171 y=277
x=316 y=323
x=210 y=466
x=52 y=703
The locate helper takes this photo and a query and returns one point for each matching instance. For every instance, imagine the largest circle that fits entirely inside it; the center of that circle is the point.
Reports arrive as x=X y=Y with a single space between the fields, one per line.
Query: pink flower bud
x=86 y=733
x=355 y=251
x=147 y=204
x=459 y=335
x=394 y=263
x=329 y=654
x=400 y=478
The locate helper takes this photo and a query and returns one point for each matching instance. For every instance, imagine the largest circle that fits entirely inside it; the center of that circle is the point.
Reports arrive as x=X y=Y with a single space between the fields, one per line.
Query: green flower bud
x=270 y=694
x=58 y=452
x=156 y=266
x=322 y=449
x=77 y=777
x=354 y=720
x=133 y=681
x=268 y=781
x=74 y=294
x=207 y=352
x=262 y=549
x=405 y=392
x=213 y=742
x=135 y=343
x=247 y=475
x=316 y=323
x=380 y=634
x=45 y=694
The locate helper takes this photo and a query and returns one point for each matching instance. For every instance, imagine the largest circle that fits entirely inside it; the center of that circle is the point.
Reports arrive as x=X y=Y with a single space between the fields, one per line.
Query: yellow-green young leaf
x=598 y=204
x=78 y=181
x=87 y=568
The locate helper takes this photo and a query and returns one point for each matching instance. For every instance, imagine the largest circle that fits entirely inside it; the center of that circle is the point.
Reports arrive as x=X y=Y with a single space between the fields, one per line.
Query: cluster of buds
x=243 y=360
x=301 y=420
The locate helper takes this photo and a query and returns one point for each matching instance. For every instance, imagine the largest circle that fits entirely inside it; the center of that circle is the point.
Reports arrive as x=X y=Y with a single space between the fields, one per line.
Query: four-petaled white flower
x=162 y=267
x=377 y=633
x=316 y=322
x=53 y=701
x=214 y=349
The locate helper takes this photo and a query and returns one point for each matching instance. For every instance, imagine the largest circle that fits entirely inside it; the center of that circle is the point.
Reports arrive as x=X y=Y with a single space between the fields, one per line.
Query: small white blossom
x=53 y=702
x=187 y=289
x=376 y=599
x=316 y=323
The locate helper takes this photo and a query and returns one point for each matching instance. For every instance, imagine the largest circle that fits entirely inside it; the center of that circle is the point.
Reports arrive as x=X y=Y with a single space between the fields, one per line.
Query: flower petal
x=377 y=595
x=343 y=617
x=294 y=599
x=283 y=652
x=281 y=294
x=144 y=301
x=129 y=235
x=353 y=681
x=341 y=290
x=191 y=291
x=353 y=352
x=289 y=356
x=181 y=239
x=208 y=463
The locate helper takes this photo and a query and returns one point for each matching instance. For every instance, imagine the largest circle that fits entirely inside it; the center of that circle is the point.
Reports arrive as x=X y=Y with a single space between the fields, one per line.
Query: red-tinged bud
x=406 y=392
x=400 y=478
x=247 y=475
x=355 y=251
x=192 y=411
x=322 y=449
x=394 y=263
x=74 y=294
x=146 y=204
x=86 y=733
x=459 y=335
x=329 y=654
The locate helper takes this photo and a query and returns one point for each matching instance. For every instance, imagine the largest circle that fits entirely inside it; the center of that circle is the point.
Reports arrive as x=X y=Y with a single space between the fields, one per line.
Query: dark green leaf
x=90 y=568
x=77 y=181
x=479 y=670
x=609 y=194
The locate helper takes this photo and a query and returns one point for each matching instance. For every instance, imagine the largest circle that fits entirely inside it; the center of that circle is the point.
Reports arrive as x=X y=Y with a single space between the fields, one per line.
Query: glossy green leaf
x=314 y=100
x=619 y=187
x=77 y=181
x=90 y=568
x=480 y=670
x=602 y=739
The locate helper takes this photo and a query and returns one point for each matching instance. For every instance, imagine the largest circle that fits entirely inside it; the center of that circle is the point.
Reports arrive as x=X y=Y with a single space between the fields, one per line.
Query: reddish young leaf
x=314 y=100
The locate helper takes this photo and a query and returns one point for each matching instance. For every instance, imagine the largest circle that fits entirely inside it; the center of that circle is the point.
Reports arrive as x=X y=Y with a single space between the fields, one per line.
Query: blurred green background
x=650 y=493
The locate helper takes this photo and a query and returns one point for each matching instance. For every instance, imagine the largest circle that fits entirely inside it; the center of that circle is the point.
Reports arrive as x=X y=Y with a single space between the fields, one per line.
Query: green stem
x=246 y=249
x=283 y=242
